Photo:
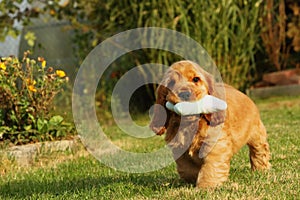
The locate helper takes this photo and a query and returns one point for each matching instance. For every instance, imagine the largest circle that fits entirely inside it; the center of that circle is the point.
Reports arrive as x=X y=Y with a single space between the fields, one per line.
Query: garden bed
x=25 y=155
x=282 y=83
x=271 y=91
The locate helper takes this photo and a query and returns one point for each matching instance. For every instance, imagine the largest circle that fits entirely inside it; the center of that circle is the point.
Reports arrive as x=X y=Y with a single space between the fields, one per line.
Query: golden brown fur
x=203 y=145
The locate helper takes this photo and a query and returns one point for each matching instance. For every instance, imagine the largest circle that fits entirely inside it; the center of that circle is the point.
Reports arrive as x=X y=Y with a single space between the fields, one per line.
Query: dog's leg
x=259 y=149
x=187 y=169
x=215 y=169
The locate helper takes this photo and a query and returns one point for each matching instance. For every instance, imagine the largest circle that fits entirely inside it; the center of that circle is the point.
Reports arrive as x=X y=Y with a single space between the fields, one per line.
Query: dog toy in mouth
x=208 y=104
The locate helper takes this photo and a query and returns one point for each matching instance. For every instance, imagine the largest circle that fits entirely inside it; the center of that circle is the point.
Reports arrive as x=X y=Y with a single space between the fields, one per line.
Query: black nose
x=184 y=96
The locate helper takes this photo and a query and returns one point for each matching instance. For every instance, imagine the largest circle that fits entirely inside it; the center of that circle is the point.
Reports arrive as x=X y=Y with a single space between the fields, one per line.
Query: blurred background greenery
x=245 y=38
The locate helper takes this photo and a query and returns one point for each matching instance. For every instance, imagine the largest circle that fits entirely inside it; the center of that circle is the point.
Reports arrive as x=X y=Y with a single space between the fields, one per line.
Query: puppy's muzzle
x=184 y=96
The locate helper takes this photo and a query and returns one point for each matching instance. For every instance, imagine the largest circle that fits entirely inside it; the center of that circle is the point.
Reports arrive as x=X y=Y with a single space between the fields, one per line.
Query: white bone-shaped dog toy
x=208 y=104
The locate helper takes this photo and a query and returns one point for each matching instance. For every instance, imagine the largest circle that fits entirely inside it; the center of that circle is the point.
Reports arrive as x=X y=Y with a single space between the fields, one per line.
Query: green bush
x=27 y=89
x=228 y=30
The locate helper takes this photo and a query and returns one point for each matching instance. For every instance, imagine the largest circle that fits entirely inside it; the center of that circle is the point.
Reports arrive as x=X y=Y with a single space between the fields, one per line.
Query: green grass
x=77 y=175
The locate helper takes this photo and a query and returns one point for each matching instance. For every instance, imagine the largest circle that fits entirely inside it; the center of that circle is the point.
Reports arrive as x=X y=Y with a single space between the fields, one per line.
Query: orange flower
x=30 y=85
x=30 y=82
x=32 y=88
x=60 y=73
x=43 y=61
x=52 y=12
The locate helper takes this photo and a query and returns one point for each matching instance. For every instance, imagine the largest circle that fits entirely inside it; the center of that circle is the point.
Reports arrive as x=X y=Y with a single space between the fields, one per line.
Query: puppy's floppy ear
x=161 y=115
x=216 y=90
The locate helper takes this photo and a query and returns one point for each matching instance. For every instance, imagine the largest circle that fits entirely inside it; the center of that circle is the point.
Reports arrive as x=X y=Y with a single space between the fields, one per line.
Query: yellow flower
x=32 y=88
x=44 y=63
x=2 y=66
x=60 y=73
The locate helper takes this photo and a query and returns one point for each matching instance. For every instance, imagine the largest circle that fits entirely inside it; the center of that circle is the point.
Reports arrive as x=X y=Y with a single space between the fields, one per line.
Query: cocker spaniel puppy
x=203 y=144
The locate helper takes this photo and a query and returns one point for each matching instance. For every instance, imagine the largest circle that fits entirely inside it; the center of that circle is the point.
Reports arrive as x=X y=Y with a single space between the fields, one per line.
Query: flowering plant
x=27 y=90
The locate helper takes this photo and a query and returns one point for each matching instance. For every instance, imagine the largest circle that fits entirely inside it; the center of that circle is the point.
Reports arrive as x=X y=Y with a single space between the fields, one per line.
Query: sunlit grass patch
x=80 y=176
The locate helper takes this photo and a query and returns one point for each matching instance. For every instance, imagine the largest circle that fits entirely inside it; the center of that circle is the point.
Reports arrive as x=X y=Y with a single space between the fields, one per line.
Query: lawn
x=77 y=175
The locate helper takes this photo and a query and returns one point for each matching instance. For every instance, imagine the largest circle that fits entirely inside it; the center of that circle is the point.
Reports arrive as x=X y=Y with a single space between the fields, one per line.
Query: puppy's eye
x=196 y=79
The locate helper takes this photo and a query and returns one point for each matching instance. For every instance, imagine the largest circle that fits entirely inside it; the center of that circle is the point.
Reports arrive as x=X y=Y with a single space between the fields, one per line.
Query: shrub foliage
x=228 y=30
x=27 y=89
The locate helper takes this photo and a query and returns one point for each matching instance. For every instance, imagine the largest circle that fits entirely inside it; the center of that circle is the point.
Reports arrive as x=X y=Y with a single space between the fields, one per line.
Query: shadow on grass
x=120 y=183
